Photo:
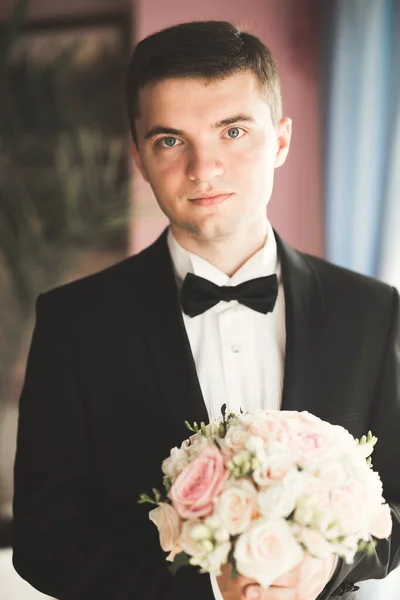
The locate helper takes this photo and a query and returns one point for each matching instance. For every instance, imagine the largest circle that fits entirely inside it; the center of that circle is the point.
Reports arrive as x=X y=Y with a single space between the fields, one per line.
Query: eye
x=168 y=142
x=235 y=132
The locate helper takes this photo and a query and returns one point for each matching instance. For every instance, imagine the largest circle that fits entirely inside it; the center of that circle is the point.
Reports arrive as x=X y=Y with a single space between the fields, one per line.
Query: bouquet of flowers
x=260 y=489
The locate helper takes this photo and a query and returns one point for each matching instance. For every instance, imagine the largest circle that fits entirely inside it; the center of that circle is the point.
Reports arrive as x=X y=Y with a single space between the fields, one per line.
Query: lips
x=211 y=200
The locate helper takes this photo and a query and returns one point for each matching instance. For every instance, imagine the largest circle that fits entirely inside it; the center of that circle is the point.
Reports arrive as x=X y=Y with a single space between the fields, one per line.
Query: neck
x=228 y=253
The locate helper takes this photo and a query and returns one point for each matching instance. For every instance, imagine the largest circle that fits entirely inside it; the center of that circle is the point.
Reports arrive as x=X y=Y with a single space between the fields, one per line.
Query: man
x=120 y=359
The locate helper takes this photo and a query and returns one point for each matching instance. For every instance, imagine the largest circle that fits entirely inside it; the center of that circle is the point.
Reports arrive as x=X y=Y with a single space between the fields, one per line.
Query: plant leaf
x=180 y=560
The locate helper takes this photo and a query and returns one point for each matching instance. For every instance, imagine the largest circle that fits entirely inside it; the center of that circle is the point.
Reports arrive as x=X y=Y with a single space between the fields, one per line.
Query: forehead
x=182 y=99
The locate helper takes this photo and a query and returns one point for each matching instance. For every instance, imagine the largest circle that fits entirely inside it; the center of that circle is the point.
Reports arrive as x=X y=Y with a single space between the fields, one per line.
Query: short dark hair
x=205 y=50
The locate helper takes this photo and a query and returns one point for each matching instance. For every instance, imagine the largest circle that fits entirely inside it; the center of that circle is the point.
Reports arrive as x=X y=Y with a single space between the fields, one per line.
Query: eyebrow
x=163 y=130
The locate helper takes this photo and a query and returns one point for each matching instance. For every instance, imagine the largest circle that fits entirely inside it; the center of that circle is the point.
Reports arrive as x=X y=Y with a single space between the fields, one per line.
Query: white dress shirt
x=238 y=352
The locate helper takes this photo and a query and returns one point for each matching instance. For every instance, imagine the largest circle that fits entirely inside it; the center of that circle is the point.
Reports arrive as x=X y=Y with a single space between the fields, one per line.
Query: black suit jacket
x=109 y=382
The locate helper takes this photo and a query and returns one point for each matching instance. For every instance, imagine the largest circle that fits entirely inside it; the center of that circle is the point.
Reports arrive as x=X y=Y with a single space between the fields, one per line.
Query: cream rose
x=237 y=506
x=267 y=550
x=168 y=523
x=269 y=427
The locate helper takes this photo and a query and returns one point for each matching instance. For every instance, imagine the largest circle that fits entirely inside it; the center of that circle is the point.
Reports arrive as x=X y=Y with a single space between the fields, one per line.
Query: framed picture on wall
x=64 y=180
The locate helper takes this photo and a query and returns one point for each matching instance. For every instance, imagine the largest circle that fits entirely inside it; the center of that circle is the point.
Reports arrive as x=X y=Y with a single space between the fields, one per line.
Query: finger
x=252 y=591
x=278 y=593
x=256 y=592
x=228 y=583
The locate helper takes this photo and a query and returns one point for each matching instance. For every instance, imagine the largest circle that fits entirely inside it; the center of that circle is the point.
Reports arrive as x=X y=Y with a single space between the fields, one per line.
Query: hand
x=305 y=582
x=236 y=588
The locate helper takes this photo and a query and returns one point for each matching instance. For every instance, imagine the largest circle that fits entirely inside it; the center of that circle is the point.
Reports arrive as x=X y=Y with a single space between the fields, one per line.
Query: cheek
x=166 y=177
x=253 y=165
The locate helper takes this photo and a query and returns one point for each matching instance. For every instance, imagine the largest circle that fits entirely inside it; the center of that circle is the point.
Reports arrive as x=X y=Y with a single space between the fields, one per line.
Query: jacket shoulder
x=106 y=283
x=336 y=275
x=345 y=287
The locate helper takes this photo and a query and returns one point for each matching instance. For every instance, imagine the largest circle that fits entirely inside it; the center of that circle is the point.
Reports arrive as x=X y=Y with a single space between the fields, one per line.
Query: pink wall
x=290 y=30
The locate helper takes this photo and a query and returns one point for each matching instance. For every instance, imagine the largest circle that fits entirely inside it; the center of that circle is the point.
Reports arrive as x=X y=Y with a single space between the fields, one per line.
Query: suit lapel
x=166 y=339
x=304 y=312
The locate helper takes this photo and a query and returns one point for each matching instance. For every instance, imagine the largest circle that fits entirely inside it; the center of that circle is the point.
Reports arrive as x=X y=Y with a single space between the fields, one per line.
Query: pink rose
x=381 y=525
x=196 y=487
x=309 y=441
x=169 y=526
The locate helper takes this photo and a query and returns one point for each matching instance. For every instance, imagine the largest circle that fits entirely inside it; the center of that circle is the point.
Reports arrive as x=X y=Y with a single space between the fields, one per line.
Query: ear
x=138 y=161
x=283 y=137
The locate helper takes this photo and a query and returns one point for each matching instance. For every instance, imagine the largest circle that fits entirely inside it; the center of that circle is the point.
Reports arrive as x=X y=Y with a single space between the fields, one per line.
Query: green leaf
x=157 y=495
x=145 y=499
x=231 y=560
x=180 y=560
x=167 y=481
x=190 y=427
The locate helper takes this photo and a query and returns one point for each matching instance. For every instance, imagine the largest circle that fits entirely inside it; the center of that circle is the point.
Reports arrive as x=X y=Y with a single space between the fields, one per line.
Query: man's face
x=209 y=150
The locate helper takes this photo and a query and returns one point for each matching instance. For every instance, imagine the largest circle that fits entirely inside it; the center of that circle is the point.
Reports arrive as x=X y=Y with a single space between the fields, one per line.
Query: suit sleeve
x=385 y=425
x=60 y=544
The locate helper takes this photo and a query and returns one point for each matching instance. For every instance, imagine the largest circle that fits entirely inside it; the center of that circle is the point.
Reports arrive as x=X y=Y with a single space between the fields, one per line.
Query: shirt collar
x=264 y=262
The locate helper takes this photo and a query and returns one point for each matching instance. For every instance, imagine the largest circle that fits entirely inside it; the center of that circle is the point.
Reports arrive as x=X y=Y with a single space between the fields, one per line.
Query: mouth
x=210 y=200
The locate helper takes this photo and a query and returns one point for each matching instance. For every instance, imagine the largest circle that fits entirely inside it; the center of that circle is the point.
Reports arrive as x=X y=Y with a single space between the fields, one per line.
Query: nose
x=204 y=165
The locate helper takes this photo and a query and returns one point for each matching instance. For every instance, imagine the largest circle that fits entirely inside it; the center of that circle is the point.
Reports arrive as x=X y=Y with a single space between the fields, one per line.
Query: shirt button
x=236 y=348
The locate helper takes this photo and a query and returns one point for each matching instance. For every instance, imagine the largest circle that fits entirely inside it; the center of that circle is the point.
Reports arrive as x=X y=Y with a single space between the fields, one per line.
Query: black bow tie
x=199 y=294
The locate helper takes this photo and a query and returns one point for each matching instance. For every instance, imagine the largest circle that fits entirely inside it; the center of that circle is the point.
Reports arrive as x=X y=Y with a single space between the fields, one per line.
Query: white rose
x=175 y=463
x=267 y=550
x=213 y=562
x=256 y=446
x=348 y=508
x=323 y=521
x=234 y=441
x=273 y=469
x=304 y=515
x=237 y=506
x=347 y=548
x=344 y=437
x=315 y=492
x=315 y=543
x=196 y=446
x=331 y=472
x=381 y=525
x=276 y=501
x=168 y=524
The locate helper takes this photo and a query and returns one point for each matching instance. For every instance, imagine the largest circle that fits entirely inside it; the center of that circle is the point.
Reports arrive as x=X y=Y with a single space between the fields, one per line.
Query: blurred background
x=71 y=204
